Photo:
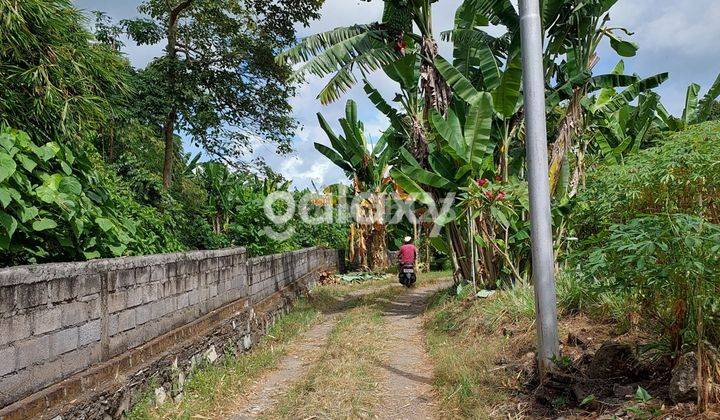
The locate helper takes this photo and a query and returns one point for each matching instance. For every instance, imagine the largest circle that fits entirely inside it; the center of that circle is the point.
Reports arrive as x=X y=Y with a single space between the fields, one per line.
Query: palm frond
x=315 y=44
x=344 y=78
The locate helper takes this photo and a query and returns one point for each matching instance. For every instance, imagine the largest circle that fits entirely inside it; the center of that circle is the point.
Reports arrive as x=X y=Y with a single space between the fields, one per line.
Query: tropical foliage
x=82 y=146
x=367 y=166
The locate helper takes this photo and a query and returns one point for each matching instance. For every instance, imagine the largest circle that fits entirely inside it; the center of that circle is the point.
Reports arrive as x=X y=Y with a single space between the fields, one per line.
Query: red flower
x=482 y=182
x=400 y=46
x=498 y=178
x=489 y=194
x=500 y=196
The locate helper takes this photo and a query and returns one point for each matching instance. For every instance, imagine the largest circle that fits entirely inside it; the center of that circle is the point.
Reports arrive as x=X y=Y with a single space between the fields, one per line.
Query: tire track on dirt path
x=263 y=394
x=408 y=386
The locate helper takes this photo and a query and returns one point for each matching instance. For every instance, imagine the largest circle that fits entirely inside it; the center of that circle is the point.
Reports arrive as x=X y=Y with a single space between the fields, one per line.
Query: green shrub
x=680 y=175
x=54 y=205
x=669 y=266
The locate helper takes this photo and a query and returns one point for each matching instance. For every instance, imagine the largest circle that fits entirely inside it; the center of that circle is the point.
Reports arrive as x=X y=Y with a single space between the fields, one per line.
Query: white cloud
x=297 y=169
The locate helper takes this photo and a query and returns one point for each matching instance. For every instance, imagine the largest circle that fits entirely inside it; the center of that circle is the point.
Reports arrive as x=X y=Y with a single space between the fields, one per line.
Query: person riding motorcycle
x=406 y=262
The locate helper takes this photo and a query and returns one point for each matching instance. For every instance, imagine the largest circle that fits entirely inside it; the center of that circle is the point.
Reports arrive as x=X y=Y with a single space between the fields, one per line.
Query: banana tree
x=461 y=160
x=367 y=169
x=696 y=110
x=378 y=46
x=624 y=130
x=217 y=181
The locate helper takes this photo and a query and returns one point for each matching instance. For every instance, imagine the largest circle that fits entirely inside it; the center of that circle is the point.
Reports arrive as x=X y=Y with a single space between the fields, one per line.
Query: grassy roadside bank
x=466 y=380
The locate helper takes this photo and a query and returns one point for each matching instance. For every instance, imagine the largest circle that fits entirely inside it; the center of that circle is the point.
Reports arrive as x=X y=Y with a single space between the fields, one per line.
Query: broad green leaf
x=7 y=166
x=488 y=67
x=28 y=213
x=565 y=90
x=91 y=255
x=334 y=157
x=411 y=187
x=66 y=168
x=118 y=250
x=47 y=151
x=499 y=216
x=611 y=80
x=351 y=112
x=7 y=140
x=9 y=223
x=499 y=12
x=619 y=67
x=336 y=143
x=442 y=164
x=641 y=395
x=505 y=97
x=424 y=177
x=381 y=145
x=45 y=194
x=440 y=244
x=44 y=224
x=409 y=158
x=602 y=99
x=450 y=130
x=707 y=101
x=382 y=105
x=70 y=185
x=104 y=224
x=587 y=400
x=78 y=226
x=691 y=104
x=549 y=10
x=459 y=84
x=5 y=197
x=622 y=47
x=405 y=71
x=26 y=162
x=53 y=181
x=477 y=132
x=632 y=92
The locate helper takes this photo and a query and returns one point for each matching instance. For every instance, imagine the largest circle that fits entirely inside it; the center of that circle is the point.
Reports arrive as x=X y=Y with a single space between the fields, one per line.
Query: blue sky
x=677 y=36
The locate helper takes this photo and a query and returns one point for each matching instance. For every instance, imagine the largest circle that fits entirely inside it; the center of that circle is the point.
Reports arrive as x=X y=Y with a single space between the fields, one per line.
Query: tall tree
x=55 y=84
x=217 y=80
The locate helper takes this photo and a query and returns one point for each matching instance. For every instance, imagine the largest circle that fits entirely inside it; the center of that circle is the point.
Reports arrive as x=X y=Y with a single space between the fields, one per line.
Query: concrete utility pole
x=539 y=185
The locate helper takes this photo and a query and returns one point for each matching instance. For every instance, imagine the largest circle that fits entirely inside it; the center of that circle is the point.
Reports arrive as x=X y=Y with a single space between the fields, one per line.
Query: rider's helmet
x=407 y=239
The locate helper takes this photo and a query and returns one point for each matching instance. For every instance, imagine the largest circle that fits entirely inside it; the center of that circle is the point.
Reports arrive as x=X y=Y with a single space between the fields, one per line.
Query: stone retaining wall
x=60 y=320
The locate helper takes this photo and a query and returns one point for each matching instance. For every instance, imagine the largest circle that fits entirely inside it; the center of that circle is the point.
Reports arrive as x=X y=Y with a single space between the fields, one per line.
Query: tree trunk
x=171 y=118
x=168 y=130
x=458 y=245
x=377 y=248
x=377 y=243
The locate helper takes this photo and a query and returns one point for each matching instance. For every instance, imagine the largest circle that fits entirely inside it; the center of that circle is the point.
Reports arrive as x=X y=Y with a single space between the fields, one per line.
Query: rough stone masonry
x=77 y=339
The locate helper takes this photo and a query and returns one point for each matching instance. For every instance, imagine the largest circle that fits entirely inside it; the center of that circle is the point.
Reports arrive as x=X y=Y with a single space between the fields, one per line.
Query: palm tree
x=367 y=168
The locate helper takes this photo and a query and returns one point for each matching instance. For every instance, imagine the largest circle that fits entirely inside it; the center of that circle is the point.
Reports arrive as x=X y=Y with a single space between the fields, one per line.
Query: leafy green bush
x=670 y=266
x=54 y=205
x=681 y=175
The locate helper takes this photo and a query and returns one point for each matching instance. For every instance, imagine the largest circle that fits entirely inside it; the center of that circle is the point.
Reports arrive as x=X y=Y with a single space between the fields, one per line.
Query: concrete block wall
x=60 y=319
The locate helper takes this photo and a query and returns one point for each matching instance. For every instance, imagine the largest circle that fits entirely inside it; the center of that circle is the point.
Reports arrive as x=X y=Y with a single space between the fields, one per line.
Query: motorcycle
x=406 y=274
